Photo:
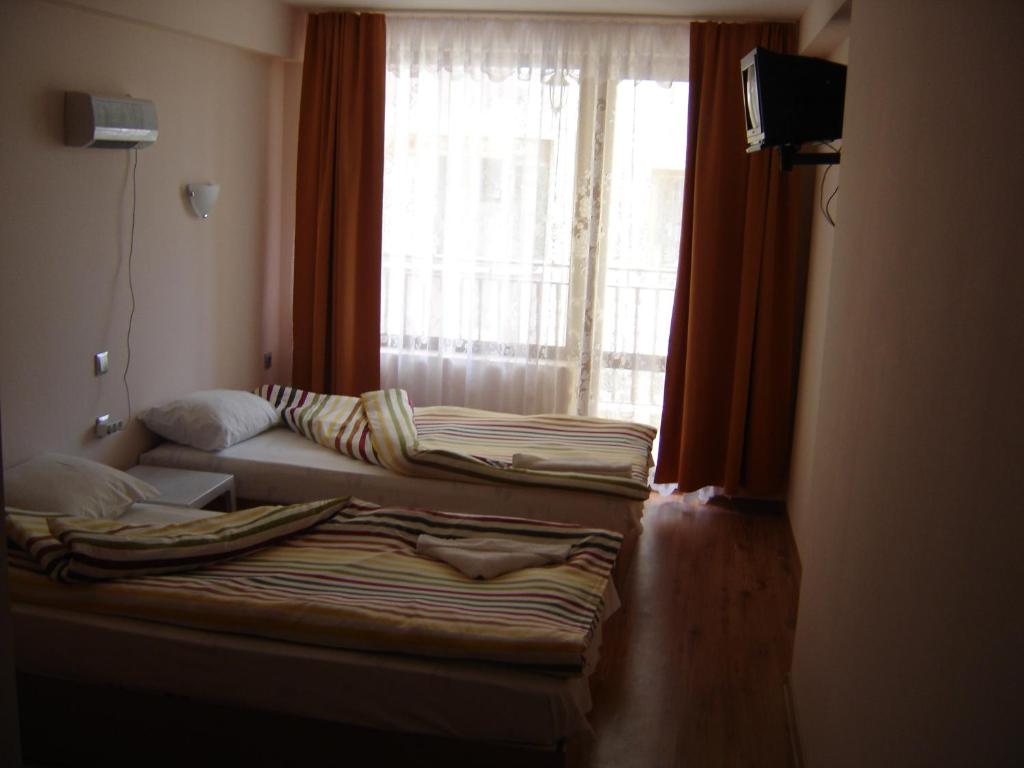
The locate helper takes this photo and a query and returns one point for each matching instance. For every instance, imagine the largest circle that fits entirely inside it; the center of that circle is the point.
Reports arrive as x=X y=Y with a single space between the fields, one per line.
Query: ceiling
x=698 y=9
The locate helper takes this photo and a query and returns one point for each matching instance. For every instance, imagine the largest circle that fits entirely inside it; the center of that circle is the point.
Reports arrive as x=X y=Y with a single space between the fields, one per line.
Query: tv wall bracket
x=791 y=157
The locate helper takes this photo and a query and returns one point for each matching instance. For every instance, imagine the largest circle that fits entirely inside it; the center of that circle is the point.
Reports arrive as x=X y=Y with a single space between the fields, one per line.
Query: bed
x=524 y=704
x=280 y=466
x=292 y=463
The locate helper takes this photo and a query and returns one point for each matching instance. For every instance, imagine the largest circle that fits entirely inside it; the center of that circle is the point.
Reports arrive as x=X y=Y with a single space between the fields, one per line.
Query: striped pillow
x=109 y=549
x=334 y=421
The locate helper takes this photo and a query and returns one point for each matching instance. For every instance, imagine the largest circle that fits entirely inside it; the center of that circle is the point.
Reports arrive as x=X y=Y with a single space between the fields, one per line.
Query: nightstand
x=187 y=487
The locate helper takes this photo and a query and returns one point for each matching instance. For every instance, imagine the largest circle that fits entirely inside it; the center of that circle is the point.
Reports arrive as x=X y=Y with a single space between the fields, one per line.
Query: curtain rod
x=534 y=16
x=554 y=16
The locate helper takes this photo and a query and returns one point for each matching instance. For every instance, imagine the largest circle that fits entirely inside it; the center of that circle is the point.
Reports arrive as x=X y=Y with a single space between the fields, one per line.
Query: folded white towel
x=582 y=466
x=487 y=558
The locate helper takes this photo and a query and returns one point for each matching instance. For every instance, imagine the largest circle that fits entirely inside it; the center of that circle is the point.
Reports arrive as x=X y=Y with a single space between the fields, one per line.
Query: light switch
x=102 y=362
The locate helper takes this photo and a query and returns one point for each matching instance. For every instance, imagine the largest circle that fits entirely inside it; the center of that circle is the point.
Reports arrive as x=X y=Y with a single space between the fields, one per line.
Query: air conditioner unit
x=110 y=123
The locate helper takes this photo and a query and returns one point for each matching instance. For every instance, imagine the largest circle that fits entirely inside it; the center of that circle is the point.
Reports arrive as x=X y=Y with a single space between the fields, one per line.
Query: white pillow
x=213 y=419
x=71 y=485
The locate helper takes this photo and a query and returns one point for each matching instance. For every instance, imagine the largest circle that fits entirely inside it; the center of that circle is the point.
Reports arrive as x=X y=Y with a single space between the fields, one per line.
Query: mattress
x=452 y=698
x=280 y=466
x=461 y=700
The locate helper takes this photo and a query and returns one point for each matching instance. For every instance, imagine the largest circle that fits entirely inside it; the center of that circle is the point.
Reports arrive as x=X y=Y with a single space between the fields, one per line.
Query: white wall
x=910 y=628
x=65 y=217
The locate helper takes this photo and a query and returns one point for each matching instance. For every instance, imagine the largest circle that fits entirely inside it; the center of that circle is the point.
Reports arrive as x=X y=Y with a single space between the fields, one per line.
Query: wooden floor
x=703 y=645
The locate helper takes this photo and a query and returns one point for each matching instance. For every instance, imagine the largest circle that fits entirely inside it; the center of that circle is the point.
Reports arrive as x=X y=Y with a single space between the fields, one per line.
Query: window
x=532 y=203
x=644 y=225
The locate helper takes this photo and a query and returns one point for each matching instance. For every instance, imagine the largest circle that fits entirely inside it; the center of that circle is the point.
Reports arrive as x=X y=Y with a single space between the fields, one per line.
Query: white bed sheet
x=281 y=466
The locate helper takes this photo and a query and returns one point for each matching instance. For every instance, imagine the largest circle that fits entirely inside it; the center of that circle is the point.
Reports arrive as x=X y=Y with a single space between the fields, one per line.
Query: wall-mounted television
x=790 y=100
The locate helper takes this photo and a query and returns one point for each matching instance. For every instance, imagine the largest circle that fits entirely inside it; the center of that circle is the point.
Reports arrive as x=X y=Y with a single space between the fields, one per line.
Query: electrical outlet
x=101 y=363
x=107 y=426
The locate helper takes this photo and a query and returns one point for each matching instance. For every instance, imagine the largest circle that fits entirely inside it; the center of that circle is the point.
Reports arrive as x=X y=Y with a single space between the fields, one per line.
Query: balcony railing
x=480 y=321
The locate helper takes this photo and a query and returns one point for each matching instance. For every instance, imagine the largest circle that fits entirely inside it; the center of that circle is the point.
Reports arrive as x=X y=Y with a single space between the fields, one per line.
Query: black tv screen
x=791 y=100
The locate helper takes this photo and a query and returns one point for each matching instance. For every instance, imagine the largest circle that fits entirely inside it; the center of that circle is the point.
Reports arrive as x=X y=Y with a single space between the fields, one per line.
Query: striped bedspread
x=356 y=582
x=479 y=446
x=474 y=446
x=334 y=421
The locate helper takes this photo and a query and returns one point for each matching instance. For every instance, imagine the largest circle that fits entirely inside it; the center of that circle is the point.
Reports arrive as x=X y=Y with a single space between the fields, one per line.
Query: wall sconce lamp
x=202 y=198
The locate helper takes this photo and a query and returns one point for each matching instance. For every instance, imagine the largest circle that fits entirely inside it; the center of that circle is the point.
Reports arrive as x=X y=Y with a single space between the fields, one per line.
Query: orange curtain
x=730 y=384
x=339 y=204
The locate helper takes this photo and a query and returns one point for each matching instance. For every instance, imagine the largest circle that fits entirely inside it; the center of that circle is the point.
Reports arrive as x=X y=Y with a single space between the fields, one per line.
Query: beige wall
x=10 y=749
x=280 y=253
x=65 y=219
x=799 y=502
x=263 y=26
x=824 y=26
x=910 y=628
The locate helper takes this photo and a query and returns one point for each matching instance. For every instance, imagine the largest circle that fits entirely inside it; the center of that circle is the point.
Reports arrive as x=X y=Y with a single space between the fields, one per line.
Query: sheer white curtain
x=532 y=202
